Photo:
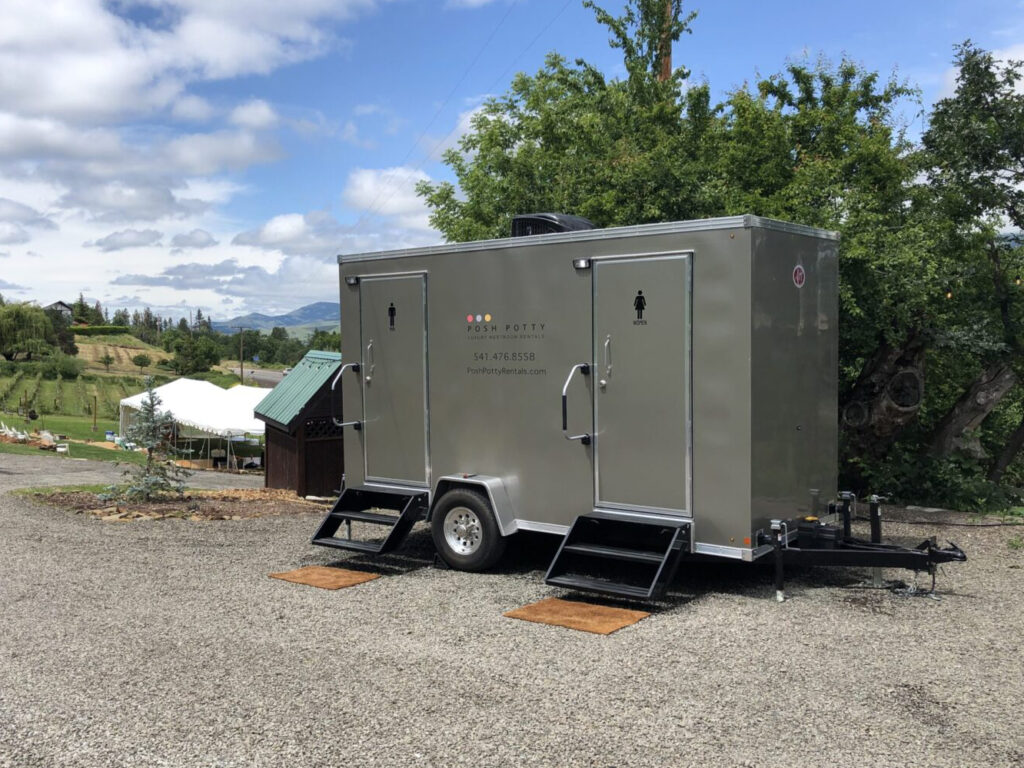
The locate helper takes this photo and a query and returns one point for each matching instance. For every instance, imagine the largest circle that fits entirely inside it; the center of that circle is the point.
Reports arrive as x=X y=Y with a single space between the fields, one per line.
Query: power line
x=448 y=98
x=371 y=210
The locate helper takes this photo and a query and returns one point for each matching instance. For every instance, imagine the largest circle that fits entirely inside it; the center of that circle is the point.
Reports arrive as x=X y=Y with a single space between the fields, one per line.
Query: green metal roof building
x=303 y=447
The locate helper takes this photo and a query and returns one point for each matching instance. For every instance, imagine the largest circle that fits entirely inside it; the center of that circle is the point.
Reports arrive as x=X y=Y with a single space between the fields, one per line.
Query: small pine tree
x=151 y=430
x=107 y=361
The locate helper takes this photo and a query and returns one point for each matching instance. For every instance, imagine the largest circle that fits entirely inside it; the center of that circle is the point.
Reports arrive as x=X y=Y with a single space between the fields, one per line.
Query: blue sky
x=217 y=154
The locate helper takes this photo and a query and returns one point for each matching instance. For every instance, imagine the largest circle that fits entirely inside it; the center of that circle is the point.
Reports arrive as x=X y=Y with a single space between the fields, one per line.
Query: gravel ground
x=165 y=644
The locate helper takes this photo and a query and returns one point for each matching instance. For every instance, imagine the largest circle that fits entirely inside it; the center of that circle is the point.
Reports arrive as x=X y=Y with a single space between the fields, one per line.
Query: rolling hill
x=302 y=321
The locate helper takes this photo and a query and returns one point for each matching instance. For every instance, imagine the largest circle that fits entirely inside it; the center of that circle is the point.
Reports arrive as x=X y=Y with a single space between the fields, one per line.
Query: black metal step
x=626 y=555
x=618 y=553
x=366 y=517
x=597 y=585
x=353 y=505
x=373 y=547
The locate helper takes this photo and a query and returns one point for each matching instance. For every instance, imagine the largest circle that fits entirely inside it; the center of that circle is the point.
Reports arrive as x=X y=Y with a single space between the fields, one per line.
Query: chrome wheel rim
x=462 y=530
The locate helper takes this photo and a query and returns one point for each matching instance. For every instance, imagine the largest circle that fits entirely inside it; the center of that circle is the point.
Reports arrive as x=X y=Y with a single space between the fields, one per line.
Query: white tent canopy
x=204 y=407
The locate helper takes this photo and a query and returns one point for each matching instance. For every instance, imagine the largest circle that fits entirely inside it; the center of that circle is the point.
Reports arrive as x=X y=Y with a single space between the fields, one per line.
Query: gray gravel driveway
x=164 y=643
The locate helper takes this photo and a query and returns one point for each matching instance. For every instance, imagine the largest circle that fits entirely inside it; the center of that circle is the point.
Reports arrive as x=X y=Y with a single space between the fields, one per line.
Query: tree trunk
x=1008 y=454
x=970 y=410
x=886 y=396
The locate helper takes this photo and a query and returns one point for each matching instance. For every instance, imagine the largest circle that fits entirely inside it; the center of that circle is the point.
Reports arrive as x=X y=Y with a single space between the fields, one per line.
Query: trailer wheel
x=465 y=531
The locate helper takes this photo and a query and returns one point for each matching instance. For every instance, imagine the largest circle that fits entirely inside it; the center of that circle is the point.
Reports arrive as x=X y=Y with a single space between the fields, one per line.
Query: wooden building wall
x=312 y=460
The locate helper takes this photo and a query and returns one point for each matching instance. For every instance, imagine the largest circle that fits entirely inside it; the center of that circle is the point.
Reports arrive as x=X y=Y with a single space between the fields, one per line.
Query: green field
x=73 y=397
x=75 y=427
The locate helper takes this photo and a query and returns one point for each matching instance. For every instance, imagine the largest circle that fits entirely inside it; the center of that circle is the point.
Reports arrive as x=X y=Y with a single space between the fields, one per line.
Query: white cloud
x=13 y=234
x=14 y=212
x=197 y=238
x=208 y=153
x=129 y=201
x=389 y=192
x=80 y=59
x=255 y=114
x=4 y=285
x=192 y=109
x=126 y=238
x=29 y=137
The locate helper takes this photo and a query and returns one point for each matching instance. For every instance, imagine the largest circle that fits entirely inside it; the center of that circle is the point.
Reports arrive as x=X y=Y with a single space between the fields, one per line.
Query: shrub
x=102 y=330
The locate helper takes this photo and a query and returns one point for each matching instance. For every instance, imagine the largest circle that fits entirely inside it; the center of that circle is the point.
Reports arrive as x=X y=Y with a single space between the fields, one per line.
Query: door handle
x=356 y=425
x=583 y=368
x=369 y=360
x=607 y=360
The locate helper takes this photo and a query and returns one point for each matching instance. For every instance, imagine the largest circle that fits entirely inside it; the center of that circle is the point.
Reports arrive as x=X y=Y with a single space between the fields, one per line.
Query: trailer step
x=623 y=555
x=353 y=506
x=619 y=553
x=597 y=585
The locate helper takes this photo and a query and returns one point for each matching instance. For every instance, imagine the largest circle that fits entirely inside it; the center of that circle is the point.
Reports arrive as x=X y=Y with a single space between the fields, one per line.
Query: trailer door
x=642 y=376
x=394 y=370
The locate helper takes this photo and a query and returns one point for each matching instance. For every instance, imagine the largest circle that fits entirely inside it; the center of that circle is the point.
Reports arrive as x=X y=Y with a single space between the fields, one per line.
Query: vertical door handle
x=369 y=361
x=583 y=368
x=607 y=360
x=357 y=425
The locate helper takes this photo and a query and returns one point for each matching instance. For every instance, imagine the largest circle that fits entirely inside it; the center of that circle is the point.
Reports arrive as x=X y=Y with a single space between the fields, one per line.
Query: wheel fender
x=492 y=487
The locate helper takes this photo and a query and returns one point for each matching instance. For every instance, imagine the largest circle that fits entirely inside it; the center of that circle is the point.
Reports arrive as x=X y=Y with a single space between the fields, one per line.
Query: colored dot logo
x=486 y=318
x=469 y=318
x=799 y=276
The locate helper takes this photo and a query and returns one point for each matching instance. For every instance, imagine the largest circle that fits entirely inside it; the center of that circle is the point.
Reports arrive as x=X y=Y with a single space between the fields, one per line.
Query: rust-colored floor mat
x=586 y=617
x=324 y=577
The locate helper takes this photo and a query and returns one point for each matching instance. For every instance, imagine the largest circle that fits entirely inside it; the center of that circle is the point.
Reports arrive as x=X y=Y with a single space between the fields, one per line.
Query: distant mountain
x=321 y=315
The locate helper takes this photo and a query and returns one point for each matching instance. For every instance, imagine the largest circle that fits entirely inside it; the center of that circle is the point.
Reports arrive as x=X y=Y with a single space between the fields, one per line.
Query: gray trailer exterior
x=712 y=398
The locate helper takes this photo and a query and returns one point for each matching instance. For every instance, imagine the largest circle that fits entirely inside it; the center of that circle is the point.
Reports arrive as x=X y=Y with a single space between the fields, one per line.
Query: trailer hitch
x=939 y=555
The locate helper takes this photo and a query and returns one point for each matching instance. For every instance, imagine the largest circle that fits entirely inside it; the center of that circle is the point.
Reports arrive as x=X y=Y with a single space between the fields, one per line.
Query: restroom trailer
x=650 y=394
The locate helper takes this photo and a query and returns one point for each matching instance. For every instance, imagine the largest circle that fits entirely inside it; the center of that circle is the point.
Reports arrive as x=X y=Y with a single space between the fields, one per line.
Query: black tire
x=478 y=544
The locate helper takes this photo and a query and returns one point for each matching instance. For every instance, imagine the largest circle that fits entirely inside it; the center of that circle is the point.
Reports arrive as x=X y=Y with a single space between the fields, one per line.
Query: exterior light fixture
x=352 y=280
x=581 y=263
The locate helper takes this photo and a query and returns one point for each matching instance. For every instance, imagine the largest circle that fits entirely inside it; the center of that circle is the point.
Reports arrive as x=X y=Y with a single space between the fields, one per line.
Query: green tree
x=25 y=332
x=142 y=361
x=194 y=354
x=569 y=139
x=152 y=429
x=106 y=361
x=65 y=335
x=974 y=146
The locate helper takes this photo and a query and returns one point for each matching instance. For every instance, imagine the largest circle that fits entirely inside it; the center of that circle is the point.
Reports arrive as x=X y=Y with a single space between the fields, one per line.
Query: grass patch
x=76 y=427
x=43 y=489
x=1015 y=543
x=78 y=451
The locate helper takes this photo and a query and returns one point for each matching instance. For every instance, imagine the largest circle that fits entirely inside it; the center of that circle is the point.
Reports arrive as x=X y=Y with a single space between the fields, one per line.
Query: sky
x=219 y=154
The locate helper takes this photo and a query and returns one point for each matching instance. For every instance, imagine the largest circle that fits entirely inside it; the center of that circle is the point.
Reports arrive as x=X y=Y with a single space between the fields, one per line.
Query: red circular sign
x=799 y=276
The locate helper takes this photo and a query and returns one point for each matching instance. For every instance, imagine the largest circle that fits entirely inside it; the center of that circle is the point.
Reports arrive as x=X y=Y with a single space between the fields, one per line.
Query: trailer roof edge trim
x=727 y=222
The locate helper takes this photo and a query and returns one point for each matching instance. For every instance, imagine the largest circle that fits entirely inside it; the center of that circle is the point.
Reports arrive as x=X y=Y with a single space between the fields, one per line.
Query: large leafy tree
x=927 y=286
x=974 y=147
x=570 y=139
x=25 y=332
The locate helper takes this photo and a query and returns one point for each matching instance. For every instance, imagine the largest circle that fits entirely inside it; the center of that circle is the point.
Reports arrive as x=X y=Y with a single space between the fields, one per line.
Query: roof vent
x=546 y=223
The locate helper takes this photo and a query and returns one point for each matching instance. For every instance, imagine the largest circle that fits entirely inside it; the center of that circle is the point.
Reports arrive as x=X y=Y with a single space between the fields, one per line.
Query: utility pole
x=241 y=363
